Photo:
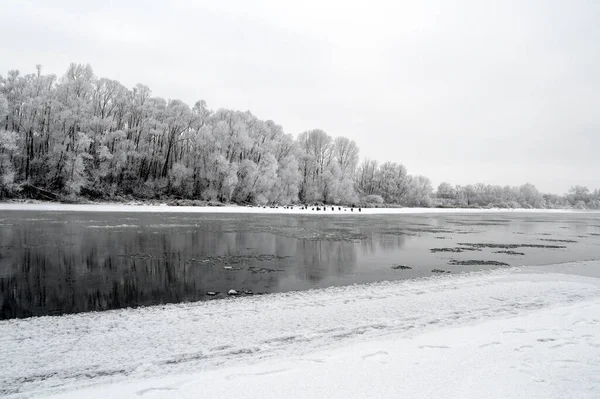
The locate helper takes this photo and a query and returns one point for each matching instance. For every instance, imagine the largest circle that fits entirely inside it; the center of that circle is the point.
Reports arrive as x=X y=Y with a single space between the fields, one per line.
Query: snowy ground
x=139 y=207
x=519 y=332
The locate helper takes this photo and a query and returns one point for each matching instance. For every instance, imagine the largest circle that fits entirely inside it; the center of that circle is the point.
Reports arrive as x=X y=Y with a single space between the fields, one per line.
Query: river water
x=66 y=262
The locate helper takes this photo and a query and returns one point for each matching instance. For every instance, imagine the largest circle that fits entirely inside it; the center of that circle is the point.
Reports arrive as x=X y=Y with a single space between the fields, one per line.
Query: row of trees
x=526 y=196
x=83 y=135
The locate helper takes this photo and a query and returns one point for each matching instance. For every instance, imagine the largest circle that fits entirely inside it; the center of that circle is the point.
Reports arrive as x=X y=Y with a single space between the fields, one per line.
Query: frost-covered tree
x=8 y=145
x=346 y=152
x=419 y=191
x=3 y=108
x=530 y=196
x=316 y=155
x=365 y=176
x=446 y=191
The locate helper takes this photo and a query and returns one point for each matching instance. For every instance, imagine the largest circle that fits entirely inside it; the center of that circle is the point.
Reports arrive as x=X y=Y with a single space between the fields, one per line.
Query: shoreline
x=238 y=209
x=129 y=351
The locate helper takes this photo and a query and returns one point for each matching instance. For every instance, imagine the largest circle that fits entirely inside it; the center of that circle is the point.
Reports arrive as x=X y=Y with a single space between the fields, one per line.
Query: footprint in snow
x=375 y=354
x=563 y=344
x=145 y=391
x=270 y=372
x=546 y=339
x=433 y=347
x=313 y=360
x=520 y=348
x=489 y=344
x=515 y=331
x=220 y=348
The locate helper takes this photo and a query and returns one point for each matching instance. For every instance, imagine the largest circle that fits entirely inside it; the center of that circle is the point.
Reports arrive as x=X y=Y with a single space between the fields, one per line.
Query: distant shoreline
x=240 y=209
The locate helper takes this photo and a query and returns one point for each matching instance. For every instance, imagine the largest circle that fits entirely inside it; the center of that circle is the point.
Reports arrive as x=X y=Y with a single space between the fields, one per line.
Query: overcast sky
x=500 y=92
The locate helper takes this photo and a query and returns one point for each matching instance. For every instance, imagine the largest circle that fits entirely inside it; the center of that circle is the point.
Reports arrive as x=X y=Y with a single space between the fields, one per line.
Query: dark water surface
x=66 y=262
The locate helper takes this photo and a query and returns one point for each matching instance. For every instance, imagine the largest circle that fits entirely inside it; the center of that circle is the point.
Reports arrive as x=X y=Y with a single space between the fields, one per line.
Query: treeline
x=84 y=136
x=525 y=196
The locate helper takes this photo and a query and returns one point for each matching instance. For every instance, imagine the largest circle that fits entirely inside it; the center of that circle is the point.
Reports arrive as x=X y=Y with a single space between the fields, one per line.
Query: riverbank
x=529 y=332
x=554 y=356
x=322 y=210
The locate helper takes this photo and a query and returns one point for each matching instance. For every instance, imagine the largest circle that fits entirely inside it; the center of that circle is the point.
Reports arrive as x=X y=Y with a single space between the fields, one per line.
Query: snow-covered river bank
x=527 y=332
x=296 y=210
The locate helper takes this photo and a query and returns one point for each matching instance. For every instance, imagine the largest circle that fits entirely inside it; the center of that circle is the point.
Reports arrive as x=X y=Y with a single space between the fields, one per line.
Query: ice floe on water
x=116 y=226
x=436 y=337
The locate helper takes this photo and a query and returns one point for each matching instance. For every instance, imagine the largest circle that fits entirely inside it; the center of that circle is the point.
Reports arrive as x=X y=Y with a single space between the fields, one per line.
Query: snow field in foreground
x=549 y=353
x=412 y=320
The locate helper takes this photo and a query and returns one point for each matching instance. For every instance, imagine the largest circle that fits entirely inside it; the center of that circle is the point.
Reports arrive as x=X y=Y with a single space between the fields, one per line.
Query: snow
x=516 y=332
x=136 y=207
x=551 y=353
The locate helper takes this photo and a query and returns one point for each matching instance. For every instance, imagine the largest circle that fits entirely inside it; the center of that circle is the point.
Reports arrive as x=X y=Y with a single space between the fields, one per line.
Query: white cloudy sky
x=502 y=92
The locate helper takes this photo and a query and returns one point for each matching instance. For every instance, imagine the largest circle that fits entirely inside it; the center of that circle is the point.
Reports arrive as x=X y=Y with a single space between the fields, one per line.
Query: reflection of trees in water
x=319 y=259
x=382 y=242
x=48 y=267
x=391 y=242
x=80 y=269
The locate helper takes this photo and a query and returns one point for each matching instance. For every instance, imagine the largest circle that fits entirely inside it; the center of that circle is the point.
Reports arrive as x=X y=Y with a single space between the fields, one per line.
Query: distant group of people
x=314 y=208
x=324 y=208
